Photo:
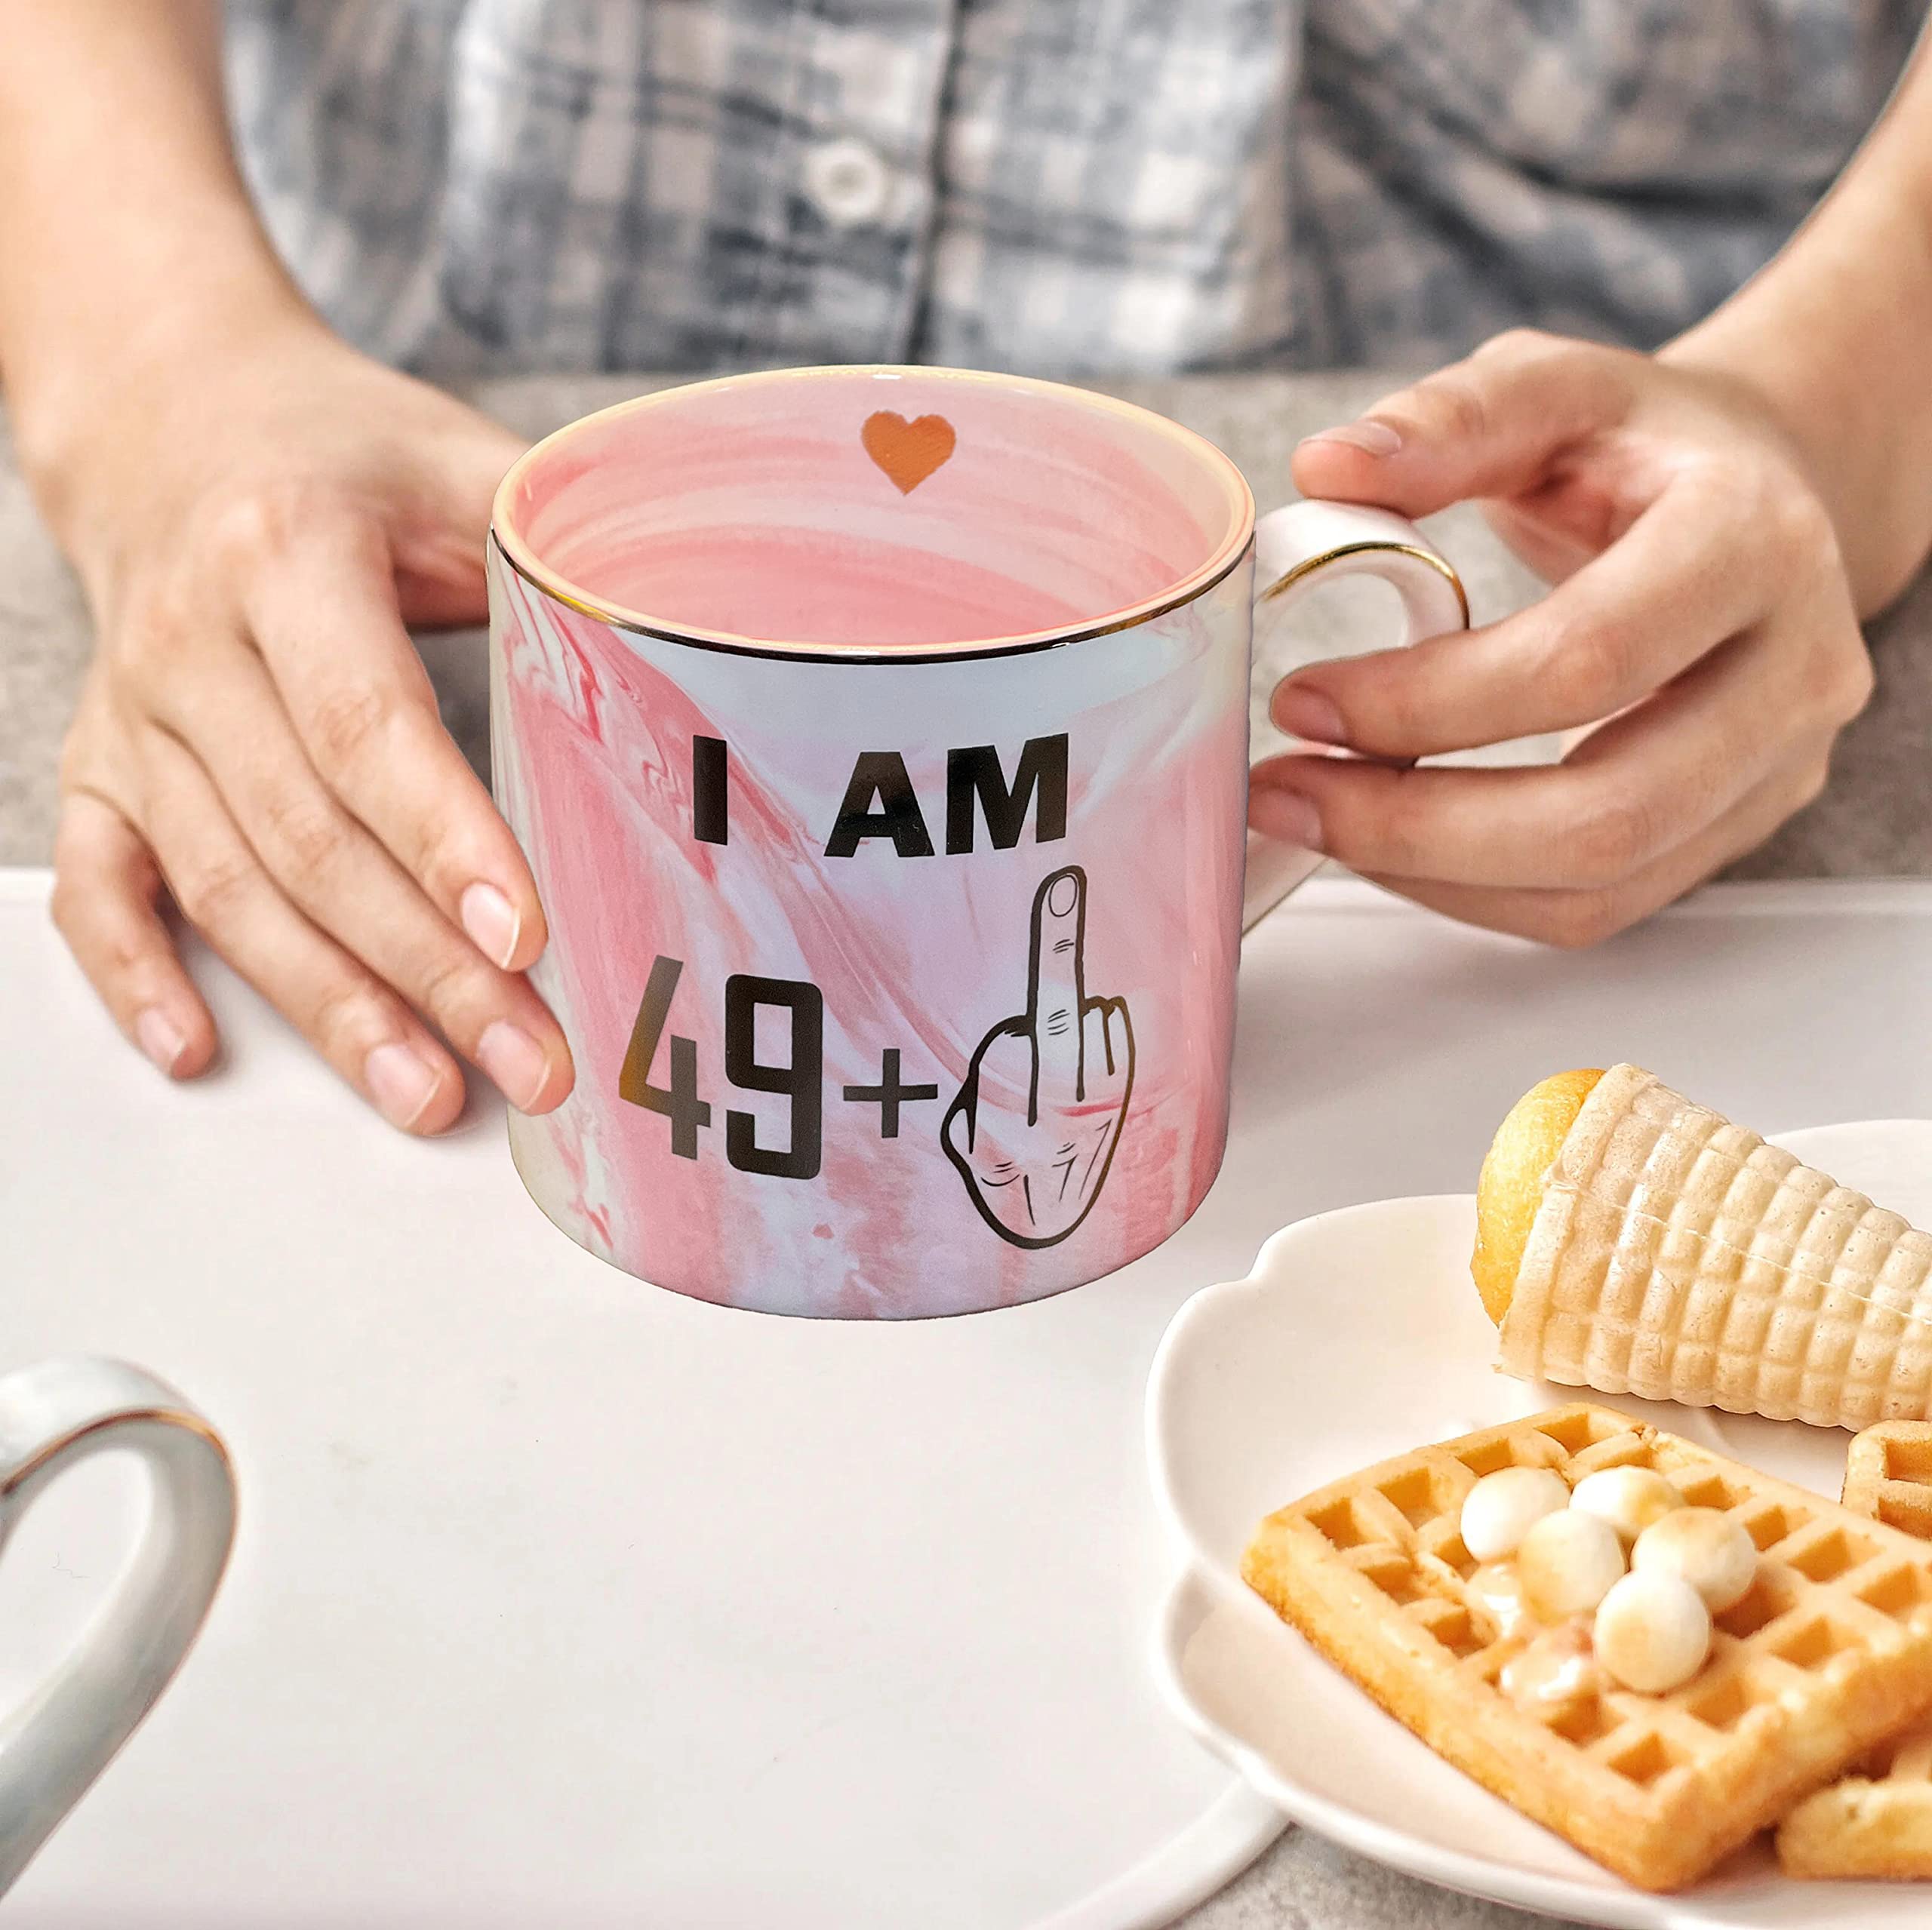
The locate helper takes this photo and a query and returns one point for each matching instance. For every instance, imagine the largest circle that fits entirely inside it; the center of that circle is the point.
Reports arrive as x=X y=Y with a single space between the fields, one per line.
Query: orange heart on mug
x=907 y=452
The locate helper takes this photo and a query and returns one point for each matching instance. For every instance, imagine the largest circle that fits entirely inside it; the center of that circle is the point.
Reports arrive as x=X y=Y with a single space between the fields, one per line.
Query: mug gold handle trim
x=1308 y=566
x=1300 y=543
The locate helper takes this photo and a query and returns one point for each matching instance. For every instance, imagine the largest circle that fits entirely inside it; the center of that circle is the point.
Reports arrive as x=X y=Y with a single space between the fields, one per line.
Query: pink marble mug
x=879 y=737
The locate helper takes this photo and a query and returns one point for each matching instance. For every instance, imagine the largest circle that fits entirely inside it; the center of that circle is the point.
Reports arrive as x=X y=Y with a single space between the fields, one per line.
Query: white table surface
x=422 y=1688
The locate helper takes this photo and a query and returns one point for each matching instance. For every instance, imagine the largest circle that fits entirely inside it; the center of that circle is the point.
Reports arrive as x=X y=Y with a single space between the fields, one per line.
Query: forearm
x=127 y=236
x=1836 y=335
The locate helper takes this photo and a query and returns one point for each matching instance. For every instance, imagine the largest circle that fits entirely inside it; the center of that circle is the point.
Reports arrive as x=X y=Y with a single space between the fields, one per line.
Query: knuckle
x=1589 y=669
x=1574 y=920
x=1798 y=524
x=117 y=956
x=341 y=1016
x=99 y=753
x=345 y=723
x=1522 y=343
x=1595 y=377
x=1609 y=836
x=76 y=757
x=1543 y=350
x=83 y=909
x=66 y=904
x=1387 y=716
x=76 y=907
x=242 y=528
x=1453 y=405
x=446 y=991
x=150 y=640
x=308 y=837
x=1860 y=691
x=1843 y=681
x=438 y=844
x=213 y=894
x=124 y=956
x=1408 y=831
x=1728 y=493
x=263 y=519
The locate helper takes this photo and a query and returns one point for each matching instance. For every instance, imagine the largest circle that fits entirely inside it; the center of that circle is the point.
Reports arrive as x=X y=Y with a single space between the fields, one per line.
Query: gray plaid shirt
x=1067 y=186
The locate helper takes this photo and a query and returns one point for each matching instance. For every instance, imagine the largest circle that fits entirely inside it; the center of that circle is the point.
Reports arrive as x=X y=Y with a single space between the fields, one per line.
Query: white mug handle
x=53 y=1416
x=1307 y=542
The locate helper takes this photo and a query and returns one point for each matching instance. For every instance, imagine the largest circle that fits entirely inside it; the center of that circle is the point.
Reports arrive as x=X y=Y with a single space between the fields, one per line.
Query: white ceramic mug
x=53 y=1416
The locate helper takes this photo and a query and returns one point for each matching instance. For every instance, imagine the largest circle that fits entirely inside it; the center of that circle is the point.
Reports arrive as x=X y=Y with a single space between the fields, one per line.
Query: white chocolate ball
x=1652 y=1632
x=1705 y=1548
x=1499 y=1510
x=1629 y=1499
x=1567 y=1563
x=1497 y=1587
x=1555 y=1667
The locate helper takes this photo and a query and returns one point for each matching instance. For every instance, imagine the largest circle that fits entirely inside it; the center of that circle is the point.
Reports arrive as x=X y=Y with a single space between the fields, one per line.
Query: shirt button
x=848 y=181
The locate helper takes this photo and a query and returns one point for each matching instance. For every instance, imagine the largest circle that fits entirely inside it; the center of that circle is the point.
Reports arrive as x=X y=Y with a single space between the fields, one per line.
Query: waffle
x=1888 y=1476
x=1878 y=1822
x=1825 y=1656
x=1677 y=1257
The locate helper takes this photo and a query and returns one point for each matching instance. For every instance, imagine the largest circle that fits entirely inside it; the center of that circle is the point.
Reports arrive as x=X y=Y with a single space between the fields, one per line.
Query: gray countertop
x=1874 y=819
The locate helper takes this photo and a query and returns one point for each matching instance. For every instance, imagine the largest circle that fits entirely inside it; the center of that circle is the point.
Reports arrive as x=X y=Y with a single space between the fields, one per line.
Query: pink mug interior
x=862 y=509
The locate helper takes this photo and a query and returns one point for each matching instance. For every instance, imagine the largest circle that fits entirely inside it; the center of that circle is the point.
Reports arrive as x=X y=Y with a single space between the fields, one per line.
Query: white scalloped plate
x=1357 y=1335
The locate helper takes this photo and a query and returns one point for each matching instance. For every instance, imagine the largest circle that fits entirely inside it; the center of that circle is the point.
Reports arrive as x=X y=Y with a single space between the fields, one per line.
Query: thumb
x=475 y=461
x=439 y=552
x=1489 y=425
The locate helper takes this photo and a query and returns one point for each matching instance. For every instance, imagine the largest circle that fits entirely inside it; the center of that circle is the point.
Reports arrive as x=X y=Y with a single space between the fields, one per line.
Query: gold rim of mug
x=1221 y=563
x=1309 y=565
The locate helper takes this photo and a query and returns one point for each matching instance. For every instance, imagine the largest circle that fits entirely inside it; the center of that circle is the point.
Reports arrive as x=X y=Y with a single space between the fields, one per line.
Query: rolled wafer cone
x=1635 y=1242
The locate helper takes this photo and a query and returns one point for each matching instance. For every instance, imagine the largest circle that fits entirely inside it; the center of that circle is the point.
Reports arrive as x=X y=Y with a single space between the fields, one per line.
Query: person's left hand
x=1702 y=607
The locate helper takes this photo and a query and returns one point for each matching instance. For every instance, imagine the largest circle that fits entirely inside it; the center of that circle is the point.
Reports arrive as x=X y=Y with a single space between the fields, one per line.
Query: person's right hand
x=258 y=733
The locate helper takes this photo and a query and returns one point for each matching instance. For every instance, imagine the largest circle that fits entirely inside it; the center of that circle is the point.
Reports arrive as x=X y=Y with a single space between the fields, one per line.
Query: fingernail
x=1304 y=712
x=1371 y=436
x=1287 y=816
x=515 y=1061
x=401 y=1083
x=159 y=1037
x=489 y=919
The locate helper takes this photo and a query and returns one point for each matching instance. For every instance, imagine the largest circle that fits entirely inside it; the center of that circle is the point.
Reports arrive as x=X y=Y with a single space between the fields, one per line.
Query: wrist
x=1831 y=355
x=1745 y=348
x=1728 y=351
x=1884 y=532
x=80 y=402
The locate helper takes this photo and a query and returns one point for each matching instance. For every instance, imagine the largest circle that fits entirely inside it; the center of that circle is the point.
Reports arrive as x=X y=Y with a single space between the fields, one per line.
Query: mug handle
x=1304 y=543
x=53 y=1416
